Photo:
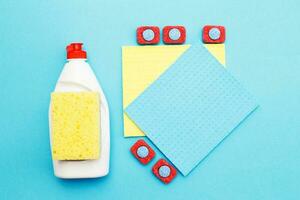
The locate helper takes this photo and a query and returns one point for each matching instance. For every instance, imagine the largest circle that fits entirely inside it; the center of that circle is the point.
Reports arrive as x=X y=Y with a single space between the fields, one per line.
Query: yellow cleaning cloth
x=218 y=51
x=75 y=126
x=142 y=65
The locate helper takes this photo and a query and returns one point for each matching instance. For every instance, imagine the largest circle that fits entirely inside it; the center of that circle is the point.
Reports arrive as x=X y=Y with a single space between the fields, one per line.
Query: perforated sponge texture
x=75 y=124
x=191 y=108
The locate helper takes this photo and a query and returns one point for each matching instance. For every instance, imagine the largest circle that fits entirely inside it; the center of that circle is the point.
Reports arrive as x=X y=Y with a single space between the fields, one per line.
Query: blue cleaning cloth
x=191 y=108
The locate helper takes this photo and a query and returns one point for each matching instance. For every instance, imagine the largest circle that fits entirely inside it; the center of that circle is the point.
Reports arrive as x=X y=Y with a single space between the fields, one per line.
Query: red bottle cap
x=74 y=50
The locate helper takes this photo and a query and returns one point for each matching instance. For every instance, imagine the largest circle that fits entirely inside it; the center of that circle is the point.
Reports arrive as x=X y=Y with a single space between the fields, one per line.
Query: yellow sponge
x=75 y=127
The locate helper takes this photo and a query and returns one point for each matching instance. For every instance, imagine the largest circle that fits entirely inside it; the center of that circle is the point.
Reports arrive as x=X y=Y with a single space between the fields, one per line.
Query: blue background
x=260 y=160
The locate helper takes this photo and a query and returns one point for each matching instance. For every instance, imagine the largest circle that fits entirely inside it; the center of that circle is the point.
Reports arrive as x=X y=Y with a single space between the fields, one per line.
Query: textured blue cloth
x=191 y=108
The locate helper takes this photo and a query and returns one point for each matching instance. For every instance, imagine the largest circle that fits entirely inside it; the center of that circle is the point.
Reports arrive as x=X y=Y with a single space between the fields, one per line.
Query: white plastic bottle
x=77 y=76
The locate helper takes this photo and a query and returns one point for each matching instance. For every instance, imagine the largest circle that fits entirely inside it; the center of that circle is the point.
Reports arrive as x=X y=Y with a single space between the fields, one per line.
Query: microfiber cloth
x=142 y=65
x=191 y=108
